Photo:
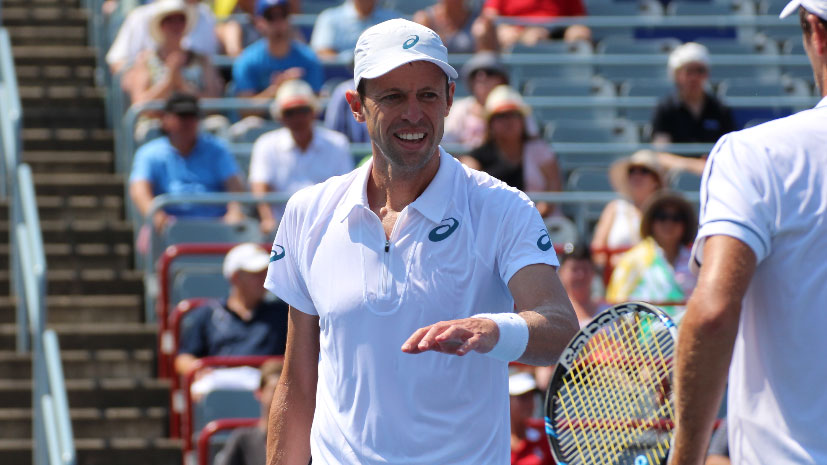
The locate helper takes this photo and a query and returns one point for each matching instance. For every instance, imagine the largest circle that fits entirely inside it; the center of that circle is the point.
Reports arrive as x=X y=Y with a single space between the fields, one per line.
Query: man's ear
x=355 y=105
x=819 y=34
x=450 y=97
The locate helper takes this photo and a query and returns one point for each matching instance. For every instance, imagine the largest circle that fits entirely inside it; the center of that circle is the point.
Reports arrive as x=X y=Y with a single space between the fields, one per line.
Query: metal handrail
x=53 y=442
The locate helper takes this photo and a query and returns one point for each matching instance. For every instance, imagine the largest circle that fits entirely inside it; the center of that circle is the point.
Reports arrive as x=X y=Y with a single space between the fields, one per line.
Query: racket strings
x=613 y=400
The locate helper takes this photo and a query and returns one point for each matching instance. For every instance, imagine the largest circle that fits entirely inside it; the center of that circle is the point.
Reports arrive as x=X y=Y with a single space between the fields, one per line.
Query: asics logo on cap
x=412 y=40
x=544 y=242
x=442 y=231
x=275 y=256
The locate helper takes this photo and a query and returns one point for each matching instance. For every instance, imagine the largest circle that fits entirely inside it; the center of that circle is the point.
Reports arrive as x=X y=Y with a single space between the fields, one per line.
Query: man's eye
x=391 y=98
x=429 y=95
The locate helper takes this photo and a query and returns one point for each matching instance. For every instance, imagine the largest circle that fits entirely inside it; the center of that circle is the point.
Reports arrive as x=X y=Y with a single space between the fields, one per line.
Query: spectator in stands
x=691 y=114
x=337 y=29
x=657 y=269
x=718 y=452
x=529 y=445
x=185 y=161
x=452 y=20
x=466 y=122
x=275 y=58
x=169 y=66
x=248 y=446
x=509 y=153
x=298 y=155
x=339 y=117
x=245 y=323
x=635 y=178
x=234 y=35
x=506 y=35
x=134 y=35
x=577 y=272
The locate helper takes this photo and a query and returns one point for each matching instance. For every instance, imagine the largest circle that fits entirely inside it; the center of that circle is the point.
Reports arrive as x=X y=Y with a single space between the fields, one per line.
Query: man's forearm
x=549 y=331
x=288 y=432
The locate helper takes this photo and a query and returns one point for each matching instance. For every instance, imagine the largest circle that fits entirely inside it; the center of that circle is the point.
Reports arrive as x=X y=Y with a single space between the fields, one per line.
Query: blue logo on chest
x=274 y=255
x=445 y=229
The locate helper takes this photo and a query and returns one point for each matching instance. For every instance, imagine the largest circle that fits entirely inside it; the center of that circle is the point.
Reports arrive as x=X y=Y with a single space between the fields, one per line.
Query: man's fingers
x=452 y=338
x=411 y=345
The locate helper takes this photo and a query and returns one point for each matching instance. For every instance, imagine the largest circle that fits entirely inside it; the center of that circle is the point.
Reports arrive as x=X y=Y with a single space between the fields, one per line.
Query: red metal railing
x=217 y=426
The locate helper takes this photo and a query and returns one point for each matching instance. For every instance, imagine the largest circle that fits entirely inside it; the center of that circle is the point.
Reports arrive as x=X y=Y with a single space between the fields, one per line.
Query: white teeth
x=413 y=136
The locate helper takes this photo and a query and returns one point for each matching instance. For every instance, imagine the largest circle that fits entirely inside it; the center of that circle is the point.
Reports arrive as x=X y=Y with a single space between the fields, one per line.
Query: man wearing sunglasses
x=276 y=57
x=298 y=155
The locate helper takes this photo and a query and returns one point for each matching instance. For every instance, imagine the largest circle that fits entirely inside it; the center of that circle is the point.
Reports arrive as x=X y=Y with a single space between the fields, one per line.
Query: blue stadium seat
x=618 y=131
x=225 y=404
x=607 y=112
x=696 y=8
x=621 y=72
x=554 y=47
x=211 y=230
x=193 y=282
x=625 y=45
x=644 y=88
x=686 y=182
x=568 y=87
x=588 y=179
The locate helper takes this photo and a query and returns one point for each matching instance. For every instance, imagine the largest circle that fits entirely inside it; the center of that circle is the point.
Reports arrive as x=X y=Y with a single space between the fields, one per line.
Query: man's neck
x=240 y=306
x=279 y=47
x=393 y=188
x=363 y=12
x=302 y=139
x=183 y=146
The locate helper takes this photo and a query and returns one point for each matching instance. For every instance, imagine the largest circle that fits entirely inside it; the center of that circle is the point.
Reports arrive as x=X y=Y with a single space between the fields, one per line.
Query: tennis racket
x=610 y=399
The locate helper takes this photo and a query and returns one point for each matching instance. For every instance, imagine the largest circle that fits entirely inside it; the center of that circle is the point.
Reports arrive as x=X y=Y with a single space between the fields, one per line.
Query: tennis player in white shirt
x=758 y=311
x=403 y=277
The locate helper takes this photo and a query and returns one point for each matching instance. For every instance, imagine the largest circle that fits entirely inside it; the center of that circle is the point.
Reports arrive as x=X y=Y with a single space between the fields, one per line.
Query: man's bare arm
x=705 y=342
x=540 y=299
x=291 y=413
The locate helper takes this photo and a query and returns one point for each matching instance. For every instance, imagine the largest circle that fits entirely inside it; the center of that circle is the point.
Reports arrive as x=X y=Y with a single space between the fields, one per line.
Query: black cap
x=182 y=104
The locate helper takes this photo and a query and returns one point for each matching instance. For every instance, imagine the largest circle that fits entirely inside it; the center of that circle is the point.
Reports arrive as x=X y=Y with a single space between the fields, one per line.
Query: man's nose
x=413 y=109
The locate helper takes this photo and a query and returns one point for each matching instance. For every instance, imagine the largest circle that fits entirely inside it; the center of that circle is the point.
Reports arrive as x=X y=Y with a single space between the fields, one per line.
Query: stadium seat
x=250 y=129
x=617 y=131
x=521 y=73
x=696 y=8
x=314 y=7
x=567 y=87
x=750 y=88
x=621 y=72
x=644 y=88
x=625 y=45
x=192 y=282
x=736 y=47
x=606 y=112
x=765 y=72
x=589 y=180
x=554 y=47
x=225 y=404
x=615 y=9
x=686 y=182
x=211 y=230
x=408 y=7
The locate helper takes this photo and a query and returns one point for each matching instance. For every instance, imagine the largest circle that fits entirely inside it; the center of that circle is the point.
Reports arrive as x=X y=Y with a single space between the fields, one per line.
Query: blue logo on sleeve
x=544 y=242
x=275 y=256
x=444 y=230
x=410 y=42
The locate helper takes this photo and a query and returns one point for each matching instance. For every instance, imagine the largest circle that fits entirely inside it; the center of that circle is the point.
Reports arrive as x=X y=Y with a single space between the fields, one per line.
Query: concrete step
x=93 y=336
x=47 y=15
x=39 y=74
x=84 y=364
x=43 y=162
x=75 y=257
x=102 y=394
x=76 y=112
x=109 y=423
x=48 y=35
x=43 y=139
x=80 y=207
x=87 y=282
x=75 y=231
x=121 y=451
x=83 y=308
x=63 y=184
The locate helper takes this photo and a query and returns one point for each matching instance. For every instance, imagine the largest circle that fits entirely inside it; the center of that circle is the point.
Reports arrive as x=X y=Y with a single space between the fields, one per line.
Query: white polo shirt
x=279 y=162
x=767 y=186
x=450 y=255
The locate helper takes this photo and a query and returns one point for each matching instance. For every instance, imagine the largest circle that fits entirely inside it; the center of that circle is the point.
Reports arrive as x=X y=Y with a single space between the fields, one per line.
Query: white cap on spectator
x=164 y=8
x=293 y=94
x=816 y=7
x=248 y=257
x=504 y=98
x=393 y=43
x=690 y=52
x=521 y=382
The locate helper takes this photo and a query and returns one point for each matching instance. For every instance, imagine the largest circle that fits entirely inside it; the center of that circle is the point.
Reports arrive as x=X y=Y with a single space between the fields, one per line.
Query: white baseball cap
x=690 y=52
x=292 y=94
x=521 y=382
x=248 y=257
x=816 y=7
x=393 y=43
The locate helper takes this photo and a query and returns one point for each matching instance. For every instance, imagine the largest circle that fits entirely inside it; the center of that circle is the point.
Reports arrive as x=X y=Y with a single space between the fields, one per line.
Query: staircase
x=95 y=299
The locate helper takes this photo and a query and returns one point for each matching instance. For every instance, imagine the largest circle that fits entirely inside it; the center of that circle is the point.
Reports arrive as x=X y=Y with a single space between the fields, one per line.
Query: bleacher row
x=593 y=103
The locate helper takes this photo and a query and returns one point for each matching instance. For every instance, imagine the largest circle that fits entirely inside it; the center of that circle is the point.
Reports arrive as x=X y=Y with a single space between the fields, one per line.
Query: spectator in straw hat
x=635 y=178
x=297 y=155
x=509 y=153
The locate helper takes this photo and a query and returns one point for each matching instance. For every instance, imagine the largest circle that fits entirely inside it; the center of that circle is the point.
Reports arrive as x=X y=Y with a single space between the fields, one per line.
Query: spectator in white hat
x=297 y=155
x=170 y=66
x=387 y=269
x=691 y=114
x=529 y=445
x=245 y=323
x=510 y=153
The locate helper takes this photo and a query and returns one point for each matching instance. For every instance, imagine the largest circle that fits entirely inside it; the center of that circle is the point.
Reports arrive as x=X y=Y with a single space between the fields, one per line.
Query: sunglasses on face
x=274 y=14
x=298 y=111
x=668 y=216
x=175 y=18
x=698 y=70
x=639 y=170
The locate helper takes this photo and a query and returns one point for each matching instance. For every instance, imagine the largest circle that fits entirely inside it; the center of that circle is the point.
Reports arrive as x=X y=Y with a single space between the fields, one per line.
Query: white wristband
x=513 y=335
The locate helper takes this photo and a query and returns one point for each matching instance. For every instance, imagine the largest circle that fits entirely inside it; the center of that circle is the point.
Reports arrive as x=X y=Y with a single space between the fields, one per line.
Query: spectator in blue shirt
x=244 y=324
x=337 y=29
x=184 y=161
x=274 y=58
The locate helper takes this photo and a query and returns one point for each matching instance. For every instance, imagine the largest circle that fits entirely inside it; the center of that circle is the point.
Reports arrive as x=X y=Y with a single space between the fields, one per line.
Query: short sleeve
x=522 y=238
x=284 y=275
x=141 y=165
x=192 y=339
x=258 y=161
x=736 y=197
x=323 y=36
x=226 y=162
x=243 y=74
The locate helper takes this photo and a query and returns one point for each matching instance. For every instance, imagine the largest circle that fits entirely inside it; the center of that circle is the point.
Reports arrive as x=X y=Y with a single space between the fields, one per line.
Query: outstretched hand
x=456 y=337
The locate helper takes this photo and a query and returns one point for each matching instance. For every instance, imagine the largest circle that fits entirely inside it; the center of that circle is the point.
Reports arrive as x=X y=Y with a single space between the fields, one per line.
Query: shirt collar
x=822 y=103
x=432 y=203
